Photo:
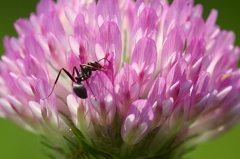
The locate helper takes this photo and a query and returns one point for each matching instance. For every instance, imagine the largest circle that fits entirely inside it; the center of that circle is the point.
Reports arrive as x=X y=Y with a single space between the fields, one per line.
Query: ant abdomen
x=80 y=90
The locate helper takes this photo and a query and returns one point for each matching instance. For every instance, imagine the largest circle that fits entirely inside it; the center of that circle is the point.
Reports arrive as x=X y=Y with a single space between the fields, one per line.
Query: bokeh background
x=16 y=143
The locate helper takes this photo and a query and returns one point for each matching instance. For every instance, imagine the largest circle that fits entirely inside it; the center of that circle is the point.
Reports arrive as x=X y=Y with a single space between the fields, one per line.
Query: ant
x=85 y=73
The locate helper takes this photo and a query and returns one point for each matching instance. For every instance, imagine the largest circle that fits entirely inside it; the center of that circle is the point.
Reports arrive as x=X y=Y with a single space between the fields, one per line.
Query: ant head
x=80 y=90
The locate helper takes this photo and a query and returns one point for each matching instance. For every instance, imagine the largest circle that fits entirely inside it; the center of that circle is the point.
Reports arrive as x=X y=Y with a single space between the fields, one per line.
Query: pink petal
x=177 y=72
x=34 y=49
x=108 y=10
x=34 y=68
x=143 y=59
x=210 y=23
x=43 y=90
x=146 y=25
x=110 y=41
x=158 y=91
x=101 y=98
x=71 y=14
x=137 y=121
x=7 y=108
x=36 y=109
x=51 y=24
x=198 y=28
x=44 y=6
x=23 y=27
x=127 y=87
x=177 y=14
x=174 y=44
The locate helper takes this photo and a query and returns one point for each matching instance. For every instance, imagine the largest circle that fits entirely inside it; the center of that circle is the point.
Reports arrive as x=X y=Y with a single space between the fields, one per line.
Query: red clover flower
x=151 y=79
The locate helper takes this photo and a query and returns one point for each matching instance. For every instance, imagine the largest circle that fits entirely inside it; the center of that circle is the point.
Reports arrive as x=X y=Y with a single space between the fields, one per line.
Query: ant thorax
x=85 y=73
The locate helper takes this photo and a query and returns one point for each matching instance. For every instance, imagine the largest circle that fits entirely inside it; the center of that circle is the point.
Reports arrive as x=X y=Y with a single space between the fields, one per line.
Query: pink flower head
x=150 y=78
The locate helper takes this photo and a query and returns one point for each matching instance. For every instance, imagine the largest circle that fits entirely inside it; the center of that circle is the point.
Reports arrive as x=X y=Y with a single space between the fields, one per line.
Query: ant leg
x=85 y=74
x=95 y=65
x=76 y=70
x=91 y=90
x=68 y=74
x=104 y=68
x=103 y=59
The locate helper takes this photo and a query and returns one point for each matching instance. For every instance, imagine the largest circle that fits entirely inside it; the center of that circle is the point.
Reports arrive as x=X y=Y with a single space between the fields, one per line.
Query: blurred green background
x=16 y=143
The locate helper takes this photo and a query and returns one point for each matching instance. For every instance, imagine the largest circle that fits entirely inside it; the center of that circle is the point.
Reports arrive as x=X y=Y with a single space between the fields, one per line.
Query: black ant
x=85 y=73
